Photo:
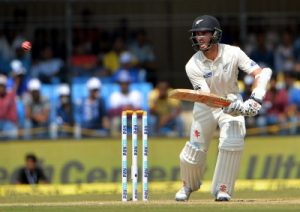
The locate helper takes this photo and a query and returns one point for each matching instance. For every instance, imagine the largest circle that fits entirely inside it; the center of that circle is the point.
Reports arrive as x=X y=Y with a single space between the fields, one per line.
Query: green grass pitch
x=281 y=200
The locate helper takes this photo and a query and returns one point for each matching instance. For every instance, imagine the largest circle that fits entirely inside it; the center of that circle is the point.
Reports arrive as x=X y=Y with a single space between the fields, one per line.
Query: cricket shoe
x=183 y=194
x=222 y=196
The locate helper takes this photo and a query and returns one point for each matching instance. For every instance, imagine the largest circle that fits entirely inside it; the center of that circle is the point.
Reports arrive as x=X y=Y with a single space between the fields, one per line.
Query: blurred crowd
x=42 y=111
x=37 y=93
x=281 y=108
x=95 y=52
x=114 y=71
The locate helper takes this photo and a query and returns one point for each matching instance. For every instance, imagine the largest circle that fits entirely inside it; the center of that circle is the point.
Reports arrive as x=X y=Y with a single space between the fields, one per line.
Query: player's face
x=64 y=99
x=35 y=94
x=163 y=90
x=124 y=87
x=30 y=164
x=203 y=38
x=94 y=93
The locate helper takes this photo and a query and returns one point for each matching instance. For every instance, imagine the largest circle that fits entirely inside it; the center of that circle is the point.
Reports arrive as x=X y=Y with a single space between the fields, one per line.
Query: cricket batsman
x=214 y=68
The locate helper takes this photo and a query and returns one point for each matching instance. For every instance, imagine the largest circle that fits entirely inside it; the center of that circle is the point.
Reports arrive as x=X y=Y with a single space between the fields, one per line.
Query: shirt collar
x=203 y=58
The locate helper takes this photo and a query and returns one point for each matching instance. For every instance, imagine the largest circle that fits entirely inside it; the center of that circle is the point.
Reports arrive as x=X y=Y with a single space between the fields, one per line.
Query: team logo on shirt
x=207 y=75
x=197 y=87
x=225 y=67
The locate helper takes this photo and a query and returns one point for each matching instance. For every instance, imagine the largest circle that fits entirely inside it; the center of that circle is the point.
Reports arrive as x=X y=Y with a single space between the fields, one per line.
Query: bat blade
x=209 y=99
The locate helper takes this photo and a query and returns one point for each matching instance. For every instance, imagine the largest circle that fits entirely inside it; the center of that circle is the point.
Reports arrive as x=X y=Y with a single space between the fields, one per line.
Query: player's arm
x=261 y=76
x=252 y=106
x=261 y=79
x=197 y=80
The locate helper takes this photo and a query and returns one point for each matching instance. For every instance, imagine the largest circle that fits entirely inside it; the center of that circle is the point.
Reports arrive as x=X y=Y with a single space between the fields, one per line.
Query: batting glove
x=236 y=108
x=251 y=107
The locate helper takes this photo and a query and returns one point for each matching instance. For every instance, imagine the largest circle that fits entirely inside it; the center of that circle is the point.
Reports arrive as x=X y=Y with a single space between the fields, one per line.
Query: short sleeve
x=153 y=98
x=175 y=103
x=114 y=100
x=195 y=77
x=245 y=63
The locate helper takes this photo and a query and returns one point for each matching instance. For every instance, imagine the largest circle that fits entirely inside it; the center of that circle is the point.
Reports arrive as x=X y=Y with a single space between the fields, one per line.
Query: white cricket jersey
x=219 y=76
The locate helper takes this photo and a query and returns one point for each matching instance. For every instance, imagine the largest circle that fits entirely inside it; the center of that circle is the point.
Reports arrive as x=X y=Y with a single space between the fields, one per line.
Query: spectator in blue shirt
x=64 y=115
x=94 y=114
x=37 y=110
x=18 y=78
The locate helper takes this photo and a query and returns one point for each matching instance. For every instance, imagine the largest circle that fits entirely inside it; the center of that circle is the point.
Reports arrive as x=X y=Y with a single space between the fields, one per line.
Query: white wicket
x=124 y=157
x=145 y=156
x=134 y=166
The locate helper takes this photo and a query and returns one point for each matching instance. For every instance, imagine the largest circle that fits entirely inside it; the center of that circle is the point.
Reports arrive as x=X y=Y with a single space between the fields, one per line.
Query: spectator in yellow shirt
x=111 y=60
x=165 y=117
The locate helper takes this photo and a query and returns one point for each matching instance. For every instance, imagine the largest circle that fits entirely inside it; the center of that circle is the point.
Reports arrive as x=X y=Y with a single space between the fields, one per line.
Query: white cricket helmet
x=93 y=83
x=126 y=57
x=17 y=67
x=124 y=77
x=64 y=90
x=34 y=85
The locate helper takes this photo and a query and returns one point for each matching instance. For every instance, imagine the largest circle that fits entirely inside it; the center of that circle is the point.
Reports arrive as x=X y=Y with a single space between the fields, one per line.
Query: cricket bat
x=211 y=100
